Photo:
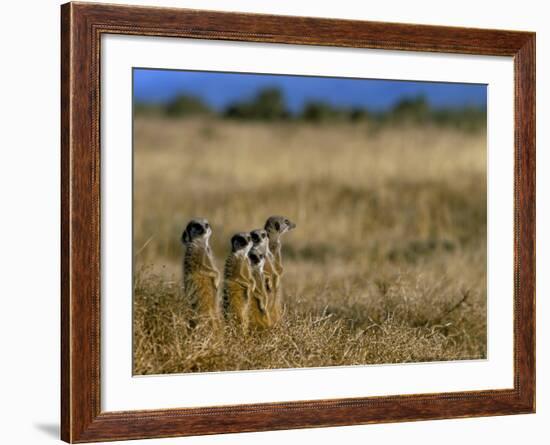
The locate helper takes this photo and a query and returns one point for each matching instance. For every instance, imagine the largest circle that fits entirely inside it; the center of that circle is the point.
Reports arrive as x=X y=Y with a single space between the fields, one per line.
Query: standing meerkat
x=238 y=283
x=258 y=315
x=200 y=275
x=260 y=241
x=276 y=226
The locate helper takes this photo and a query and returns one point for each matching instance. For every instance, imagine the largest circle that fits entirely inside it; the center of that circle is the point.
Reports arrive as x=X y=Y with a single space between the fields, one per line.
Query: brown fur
x=201 y=280
x=272 y=274
x=238 y=287
x=259 y=316
x=276 y=226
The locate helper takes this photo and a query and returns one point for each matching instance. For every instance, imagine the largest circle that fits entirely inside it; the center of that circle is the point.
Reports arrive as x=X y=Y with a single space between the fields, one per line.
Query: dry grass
x=387 y=264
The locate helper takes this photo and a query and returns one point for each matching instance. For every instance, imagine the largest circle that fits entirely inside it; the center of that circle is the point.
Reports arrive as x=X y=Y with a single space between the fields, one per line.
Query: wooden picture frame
x=82 y=25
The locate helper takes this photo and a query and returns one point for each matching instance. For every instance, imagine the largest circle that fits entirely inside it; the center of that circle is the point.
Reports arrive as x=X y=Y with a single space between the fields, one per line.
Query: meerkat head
x=275 y=226
x=197 y=230
x=241 y=243
x=257 y=258
x=260 y=239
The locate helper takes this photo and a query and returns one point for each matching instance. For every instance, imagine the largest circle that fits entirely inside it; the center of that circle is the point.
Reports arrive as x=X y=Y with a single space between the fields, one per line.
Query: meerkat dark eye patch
x=255 y=238
x=197 y=229
x=277 y=226
x=254 y=258
x=238 y=242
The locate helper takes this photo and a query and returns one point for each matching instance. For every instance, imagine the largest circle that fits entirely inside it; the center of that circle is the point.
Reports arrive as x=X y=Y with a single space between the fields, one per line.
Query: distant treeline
x=269 y=105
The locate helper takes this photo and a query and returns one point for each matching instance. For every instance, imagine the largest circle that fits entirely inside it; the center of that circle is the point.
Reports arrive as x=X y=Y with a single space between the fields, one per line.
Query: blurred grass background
x=388 y=260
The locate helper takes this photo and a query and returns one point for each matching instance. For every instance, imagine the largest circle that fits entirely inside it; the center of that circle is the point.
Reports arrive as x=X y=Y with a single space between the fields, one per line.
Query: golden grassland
x=387 y=263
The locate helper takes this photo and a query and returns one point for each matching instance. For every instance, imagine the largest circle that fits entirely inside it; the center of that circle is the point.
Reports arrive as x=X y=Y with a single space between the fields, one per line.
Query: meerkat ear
x=185 y=237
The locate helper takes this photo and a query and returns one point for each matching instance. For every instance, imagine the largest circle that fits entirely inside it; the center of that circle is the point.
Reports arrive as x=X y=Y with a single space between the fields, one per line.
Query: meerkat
x=258 y=315
x=200 y=275
x=238 y=283
x=276 y=226
x=260 y=241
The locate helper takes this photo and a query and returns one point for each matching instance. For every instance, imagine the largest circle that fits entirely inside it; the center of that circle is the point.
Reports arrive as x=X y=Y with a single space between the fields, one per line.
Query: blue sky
x=220 y=89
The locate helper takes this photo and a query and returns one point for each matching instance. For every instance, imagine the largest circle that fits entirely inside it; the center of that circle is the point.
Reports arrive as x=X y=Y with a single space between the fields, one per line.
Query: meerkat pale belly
x=260 y=239
x=275 y=227
x=271 y=277
x=201 y=283
x=200 y=276
x=238 y=283
x=237 y=290
x=258 y=314
x=272 y=282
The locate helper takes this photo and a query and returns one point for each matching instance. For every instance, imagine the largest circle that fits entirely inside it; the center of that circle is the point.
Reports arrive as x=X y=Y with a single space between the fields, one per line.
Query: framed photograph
x=274 y=222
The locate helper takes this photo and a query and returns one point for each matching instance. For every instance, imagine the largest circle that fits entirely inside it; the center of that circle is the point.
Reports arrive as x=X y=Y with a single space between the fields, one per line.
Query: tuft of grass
x=387 y=263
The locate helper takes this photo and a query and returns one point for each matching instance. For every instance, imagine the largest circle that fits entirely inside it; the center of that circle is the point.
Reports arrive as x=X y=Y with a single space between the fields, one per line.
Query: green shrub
x=185 y=105
x=317 y=111
x=268 y=104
